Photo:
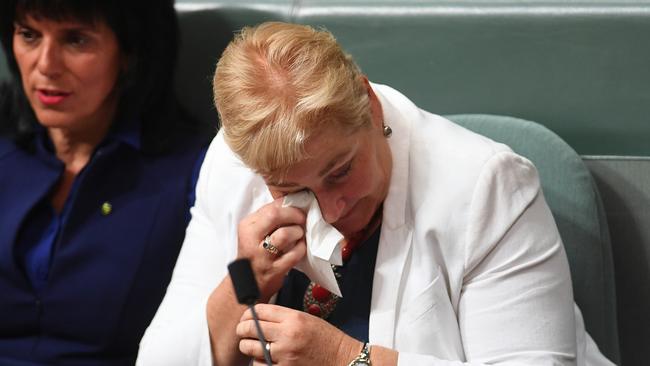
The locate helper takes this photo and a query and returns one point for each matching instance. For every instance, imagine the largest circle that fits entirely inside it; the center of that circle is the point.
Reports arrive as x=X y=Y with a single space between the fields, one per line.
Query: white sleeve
x=178 y=334
x=517 y=299
x=516 y=303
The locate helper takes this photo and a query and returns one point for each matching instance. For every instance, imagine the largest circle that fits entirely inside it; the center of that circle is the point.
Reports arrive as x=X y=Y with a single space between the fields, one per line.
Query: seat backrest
x=578 y=66
x=577 y=208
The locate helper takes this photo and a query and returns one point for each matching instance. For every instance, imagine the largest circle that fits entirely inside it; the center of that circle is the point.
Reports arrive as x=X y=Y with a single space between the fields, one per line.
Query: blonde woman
x=450 y=253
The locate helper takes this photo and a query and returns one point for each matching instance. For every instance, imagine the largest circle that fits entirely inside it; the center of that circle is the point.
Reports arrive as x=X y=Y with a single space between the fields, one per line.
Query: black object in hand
x=247 y=292
x=244 y=281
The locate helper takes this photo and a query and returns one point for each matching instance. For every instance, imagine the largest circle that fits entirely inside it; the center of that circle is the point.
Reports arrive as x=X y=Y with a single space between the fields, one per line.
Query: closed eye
x=340 y=173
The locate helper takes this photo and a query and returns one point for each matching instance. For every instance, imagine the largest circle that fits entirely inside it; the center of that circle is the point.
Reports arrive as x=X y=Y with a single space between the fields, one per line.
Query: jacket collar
x=396 y=233
x=399 y=142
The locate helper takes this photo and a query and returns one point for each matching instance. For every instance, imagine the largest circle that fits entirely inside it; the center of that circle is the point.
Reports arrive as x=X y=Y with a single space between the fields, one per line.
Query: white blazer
x=470 y=267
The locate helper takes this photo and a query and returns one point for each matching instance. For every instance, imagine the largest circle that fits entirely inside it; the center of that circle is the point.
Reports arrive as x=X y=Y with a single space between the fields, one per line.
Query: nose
x=50 y=61
x=332 y=205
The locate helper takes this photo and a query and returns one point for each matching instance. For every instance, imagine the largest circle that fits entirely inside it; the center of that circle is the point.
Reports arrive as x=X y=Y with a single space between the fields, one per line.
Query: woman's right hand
x=285 y=228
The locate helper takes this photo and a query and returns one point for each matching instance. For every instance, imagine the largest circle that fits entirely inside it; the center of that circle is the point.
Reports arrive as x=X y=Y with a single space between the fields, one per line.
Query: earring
x=387 y=131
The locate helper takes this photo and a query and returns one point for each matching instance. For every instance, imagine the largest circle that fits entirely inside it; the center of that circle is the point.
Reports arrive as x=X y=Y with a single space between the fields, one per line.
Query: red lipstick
x=51 y=97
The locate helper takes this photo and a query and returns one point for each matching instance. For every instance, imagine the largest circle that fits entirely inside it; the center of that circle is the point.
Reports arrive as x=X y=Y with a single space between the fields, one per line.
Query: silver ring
x=266 y=244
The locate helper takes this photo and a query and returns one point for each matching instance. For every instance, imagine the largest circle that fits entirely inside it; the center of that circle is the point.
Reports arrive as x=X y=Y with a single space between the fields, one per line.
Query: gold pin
x=106 y=208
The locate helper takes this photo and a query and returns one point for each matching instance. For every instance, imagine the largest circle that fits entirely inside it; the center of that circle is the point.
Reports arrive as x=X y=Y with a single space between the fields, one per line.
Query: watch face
x=361 y=363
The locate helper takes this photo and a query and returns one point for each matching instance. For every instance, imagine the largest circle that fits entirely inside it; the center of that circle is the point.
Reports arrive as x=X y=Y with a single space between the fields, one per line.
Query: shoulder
x=463 y=168
x=453 y=173
x=432 y=138
x=442 y=157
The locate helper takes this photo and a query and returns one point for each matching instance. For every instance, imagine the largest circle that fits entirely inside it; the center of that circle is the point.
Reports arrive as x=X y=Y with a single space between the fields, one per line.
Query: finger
x=247 y=329
x=255 y=227
x=285 y=237
x=273 y=216
x=269 y=314
x=291 y=257
x=252 y=348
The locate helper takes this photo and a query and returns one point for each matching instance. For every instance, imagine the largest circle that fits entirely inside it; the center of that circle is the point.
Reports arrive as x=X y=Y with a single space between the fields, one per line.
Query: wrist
x=363 y=357
x=348 y=348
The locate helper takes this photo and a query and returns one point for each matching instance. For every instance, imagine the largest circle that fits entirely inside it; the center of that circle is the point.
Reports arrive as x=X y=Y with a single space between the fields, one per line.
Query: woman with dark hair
x=97 y=171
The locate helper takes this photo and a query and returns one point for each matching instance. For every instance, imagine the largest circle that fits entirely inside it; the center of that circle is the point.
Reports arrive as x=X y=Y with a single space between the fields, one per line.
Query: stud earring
x=387 y=131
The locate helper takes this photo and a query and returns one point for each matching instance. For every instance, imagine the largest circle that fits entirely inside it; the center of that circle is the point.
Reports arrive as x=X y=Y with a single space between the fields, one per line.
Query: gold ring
x=266 y=244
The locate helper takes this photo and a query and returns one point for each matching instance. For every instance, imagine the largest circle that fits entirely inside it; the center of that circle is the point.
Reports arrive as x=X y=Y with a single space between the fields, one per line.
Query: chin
x=53 y=119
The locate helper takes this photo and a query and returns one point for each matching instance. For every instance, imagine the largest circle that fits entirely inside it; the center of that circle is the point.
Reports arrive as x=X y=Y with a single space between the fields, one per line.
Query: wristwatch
x=363 y=359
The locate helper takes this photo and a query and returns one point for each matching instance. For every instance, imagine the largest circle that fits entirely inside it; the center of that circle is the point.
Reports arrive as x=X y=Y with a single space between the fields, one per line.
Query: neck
x=75 y=142
x=353 y=241
x=74 y=149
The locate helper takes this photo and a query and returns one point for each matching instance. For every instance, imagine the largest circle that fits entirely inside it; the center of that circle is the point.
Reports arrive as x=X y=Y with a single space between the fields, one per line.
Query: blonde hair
x=277 y=85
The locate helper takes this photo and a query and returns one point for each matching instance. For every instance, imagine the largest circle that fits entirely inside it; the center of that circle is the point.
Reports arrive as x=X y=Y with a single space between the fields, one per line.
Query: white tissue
x=323 y=242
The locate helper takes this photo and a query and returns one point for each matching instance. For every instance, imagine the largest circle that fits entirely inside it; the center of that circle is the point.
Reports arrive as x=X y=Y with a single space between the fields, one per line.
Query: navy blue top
x=36 y=241
x=81 y=286
x=352 y=313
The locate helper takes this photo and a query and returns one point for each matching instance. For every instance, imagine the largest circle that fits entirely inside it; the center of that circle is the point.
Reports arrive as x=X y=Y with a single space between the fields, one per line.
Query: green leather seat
x=576 y=205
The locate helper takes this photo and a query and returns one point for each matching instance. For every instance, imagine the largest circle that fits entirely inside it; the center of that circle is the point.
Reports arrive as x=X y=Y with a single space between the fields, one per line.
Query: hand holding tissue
x=323 y=242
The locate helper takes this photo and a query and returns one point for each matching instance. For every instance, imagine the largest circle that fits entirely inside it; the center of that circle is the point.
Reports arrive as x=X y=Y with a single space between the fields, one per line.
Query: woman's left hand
x=295 y=337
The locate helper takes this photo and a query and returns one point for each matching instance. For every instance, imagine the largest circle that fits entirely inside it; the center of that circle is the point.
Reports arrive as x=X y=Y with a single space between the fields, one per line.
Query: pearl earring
x=387 y=131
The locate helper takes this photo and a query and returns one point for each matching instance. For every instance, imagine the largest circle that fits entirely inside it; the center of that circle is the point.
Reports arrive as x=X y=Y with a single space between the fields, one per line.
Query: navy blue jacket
x=108 y=272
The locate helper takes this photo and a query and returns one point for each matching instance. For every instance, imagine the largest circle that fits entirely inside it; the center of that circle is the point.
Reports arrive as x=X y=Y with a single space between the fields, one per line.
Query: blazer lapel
x=19 y=192
x=394 y=250
x=396 y=232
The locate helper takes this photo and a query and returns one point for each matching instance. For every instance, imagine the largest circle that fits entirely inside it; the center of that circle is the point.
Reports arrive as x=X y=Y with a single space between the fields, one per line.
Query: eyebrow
x=19 y=23
x=321 y=174
x=333 y=162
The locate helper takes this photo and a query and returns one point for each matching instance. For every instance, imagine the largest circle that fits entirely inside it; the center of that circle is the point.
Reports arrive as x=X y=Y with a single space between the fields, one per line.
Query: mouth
x=51 y=96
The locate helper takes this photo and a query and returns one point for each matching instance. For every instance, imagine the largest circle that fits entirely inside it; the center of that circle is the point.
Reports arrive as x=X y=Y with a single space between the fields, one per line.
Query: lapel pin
x=106 y=208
